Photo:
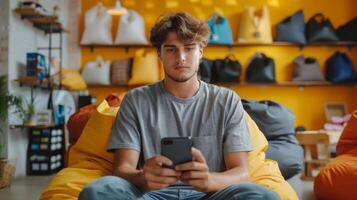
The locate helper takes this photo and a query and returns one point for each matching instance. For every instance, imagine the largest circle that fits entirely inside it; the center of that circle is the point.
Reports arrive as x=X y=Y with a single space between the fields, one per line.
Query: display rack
x=46 y=149
x=50 y=25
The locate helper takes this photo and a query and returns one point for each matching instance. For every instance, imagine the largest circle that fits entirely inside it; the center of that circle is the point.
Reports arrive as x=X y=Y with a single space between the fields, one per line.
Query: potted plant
x=4 y=105
x=6 y=100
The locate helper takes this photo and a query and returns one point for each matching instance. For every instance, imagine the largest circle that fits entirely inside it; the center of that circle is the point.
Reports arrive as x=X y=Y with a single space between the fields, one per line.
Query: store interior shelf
x=277 y=44
x=32 y=126
x=234 y=84
x=32 y=81
x=49 y=24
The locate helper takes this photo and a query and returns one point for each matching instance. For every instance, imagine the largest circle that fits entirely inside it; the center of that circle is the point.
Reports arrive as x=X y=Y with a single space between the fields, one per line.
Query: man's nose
x=181 y=56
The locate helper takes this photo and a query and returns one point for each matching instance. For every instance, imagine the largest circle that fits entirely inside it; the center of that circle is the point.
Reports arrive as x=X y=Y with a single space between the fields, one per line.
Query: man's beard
x=181 y=79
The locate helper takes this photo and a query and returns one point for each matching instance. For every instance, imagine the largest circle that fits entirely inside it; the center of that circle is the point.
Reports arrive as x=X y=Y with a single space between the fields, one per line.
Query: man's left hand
x=196 y=172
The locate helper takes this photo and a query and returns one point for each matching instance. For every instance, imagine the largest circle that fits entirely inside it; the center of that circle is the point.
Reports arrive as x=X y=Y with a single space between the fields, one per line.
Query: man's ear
x=201 y=53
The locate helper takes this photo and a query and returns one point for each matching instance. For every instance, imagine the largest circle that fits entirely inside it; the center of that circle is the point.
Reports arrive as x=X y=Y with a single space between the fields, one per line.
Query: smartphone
x=177 y=149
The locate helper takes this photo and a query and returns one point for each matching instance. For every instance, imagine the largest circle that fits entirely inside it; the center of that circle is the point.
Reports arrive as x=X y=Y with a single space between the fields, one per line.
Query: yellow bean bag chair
x=338 y=180
x=89 y=160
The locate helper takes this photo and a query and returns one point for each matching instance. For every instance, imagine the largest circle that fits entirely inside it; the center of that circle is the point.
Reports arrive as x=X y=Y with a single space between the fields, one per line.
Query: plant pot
x=7 y=172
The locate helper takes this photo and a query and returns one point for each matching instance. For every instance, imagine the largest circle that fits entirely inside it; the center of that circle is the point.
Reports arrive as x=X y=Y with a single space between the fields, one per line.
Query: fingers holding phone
x=196 y=172
x=158 y=177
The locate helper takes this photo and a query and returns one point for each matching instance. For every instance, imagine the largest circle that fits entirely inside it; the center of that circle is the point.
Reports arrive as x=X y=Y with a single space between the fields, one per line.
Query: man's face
x=180 y=60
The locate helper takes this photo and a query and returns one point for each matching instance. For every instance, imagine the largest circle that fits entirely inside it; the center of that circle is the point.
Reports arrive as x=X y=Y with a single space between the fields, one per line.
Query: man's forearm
x=221 y=180
x=134 y=176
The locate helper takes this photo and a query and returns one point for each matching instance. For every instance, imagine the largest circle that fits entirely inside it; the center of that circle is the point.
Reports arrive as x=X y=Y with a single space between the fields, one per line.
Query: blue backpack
x=221 y=32
x=339 y=68
x=292 y=29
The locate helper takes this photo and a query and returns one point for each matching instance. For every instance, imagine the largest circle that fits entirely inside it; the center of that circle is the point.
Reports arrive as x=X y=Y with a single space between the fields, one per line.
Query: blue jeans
x=113 y=187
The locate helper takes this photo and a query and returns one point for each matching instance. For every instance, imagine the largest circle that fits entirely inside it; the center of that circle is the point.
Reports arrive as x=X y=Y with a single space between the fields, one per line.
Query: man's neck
x=183 y=90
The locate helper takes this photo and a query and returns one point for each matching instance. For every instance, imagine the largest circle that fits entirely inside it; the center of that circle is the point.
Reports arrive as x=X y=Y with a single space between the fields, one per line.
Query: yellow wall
x=307 y=103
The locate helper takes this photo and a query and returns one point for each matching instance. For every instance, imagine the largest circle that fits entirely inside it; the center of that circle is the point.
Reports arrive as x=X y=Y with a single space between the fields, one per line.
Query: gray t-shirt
x=213 y=117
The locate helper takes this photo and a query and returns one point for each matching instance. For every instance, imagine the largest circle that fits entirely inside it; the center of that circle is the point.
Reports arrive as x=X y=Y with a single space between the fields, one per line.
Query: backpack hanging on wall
x=320 y=29
x=339 y=68
x=221 y=32
x=97 y=72
x=261 y=69
x=348 y=31
x=131 y=29
x=206 y=69
x=306 y=69
x=292 y=29
x=120 y=71
x=145 y=68
x=97 y=26
x=253 y=28
x=228 y=69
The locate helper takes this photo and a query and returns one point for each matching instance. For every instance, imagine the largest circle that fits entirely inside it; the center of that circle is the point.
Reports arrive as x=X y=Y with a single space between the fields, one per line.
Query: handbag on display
x=97 y=26
x=206 y=69
x=348 y=31
x=69 y=79
x=97 y=72
x=131 y=29
x=228 y=69
x=292 y=29
x=145 y=68
x=120 y=71
x=261 y=69
x=320 y=29
x=221 y=32
x=253 y=28
x=339 y=68
x=306 y=69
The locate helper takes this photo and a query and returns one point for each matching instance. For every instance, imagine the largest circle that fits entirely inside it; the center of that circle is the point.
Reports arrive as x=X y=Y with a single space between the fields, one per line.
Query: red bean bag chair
x=338 y=180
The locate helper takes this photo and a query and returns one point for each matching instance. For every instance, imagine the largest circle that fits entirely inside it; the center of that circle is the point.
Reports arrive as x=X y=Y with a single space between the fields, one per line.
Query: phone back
x=177 y=149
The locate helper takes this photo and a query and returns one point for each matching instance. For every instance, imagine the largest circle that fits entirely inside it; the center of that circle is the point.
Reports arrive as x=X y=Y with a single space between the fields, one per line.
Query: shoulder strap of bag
x=319 y=17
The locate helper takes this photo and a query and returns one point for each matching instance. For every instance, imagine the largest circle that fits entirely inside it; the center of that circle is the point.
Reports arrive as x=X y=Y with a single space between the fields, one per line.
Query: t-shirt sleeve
x=125 y=131
x=236 y=134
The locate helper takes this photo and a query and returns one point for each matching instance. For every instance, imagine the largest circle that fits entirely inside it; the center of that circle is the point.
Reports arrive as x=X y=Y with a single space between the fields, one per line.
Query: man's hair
x=187 y=28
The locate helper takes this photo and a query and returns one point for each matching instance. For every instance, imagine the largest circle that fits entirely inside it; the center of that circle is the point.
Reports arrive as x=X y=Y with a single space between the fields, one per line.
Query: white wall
x=4 y=44
x=23 y=38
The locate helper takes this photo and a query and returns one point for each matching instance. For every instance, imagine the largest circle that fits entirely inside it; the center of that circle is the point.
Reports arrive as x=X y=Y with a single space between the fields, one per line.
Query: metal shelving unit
x=46 y=150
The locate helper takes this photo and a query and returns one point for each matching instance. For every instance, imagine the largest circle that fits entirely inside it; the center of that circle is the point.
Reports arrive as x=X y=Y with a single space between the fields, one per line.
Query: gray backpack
x=306 y=69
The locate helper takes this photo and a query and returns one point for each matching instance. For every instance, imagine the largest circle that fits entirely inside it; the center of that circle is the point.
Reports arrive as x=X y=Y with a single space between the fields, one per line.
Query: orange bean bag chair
x=78 y=120
x=338 y=180
x=89 y=160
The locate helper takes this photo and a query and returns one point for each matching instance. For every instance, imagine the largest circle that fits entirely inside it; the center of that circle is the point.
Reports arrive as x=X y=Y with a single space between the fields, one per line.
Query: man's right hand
x=156 y=176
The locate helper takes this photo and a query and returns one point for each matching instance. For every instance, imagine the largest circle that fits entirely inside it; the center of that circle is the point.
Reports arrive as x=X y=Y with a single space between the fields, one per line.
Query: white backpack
x=97 y=72
x=98 y=24
x=131 y=29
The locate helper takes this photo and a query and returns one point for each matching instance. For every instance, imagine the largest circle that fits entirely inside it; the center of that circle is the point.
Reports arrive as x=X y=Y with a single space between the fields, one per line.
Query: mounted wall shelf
x=32 y=126
x=34 y=82
x=247 y=84
x=349 y=45
x=49 y=24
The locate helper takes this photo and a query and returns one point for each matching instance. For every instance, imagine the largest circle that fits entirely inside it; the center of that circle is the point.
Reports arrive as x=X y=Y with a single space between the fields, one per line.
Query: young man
x=179 y=106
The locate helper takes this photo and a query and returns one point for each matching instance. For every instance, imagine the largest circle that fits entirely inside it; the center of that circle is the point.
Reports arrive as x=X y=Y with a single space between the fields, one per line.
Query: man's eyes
x=172 y=50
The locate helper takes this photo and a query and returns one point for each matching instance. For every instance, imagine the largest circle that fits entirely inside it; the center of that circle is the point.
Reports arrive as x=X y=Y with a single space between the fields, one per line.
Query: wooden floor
x=31 y=187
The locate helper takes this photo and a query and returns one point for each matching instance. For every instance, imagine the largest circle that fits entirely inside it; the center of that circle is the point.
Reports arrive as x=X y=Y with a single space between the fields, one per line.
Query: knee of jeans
x=112 y=179
x=103 y=184
x=257 y=190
